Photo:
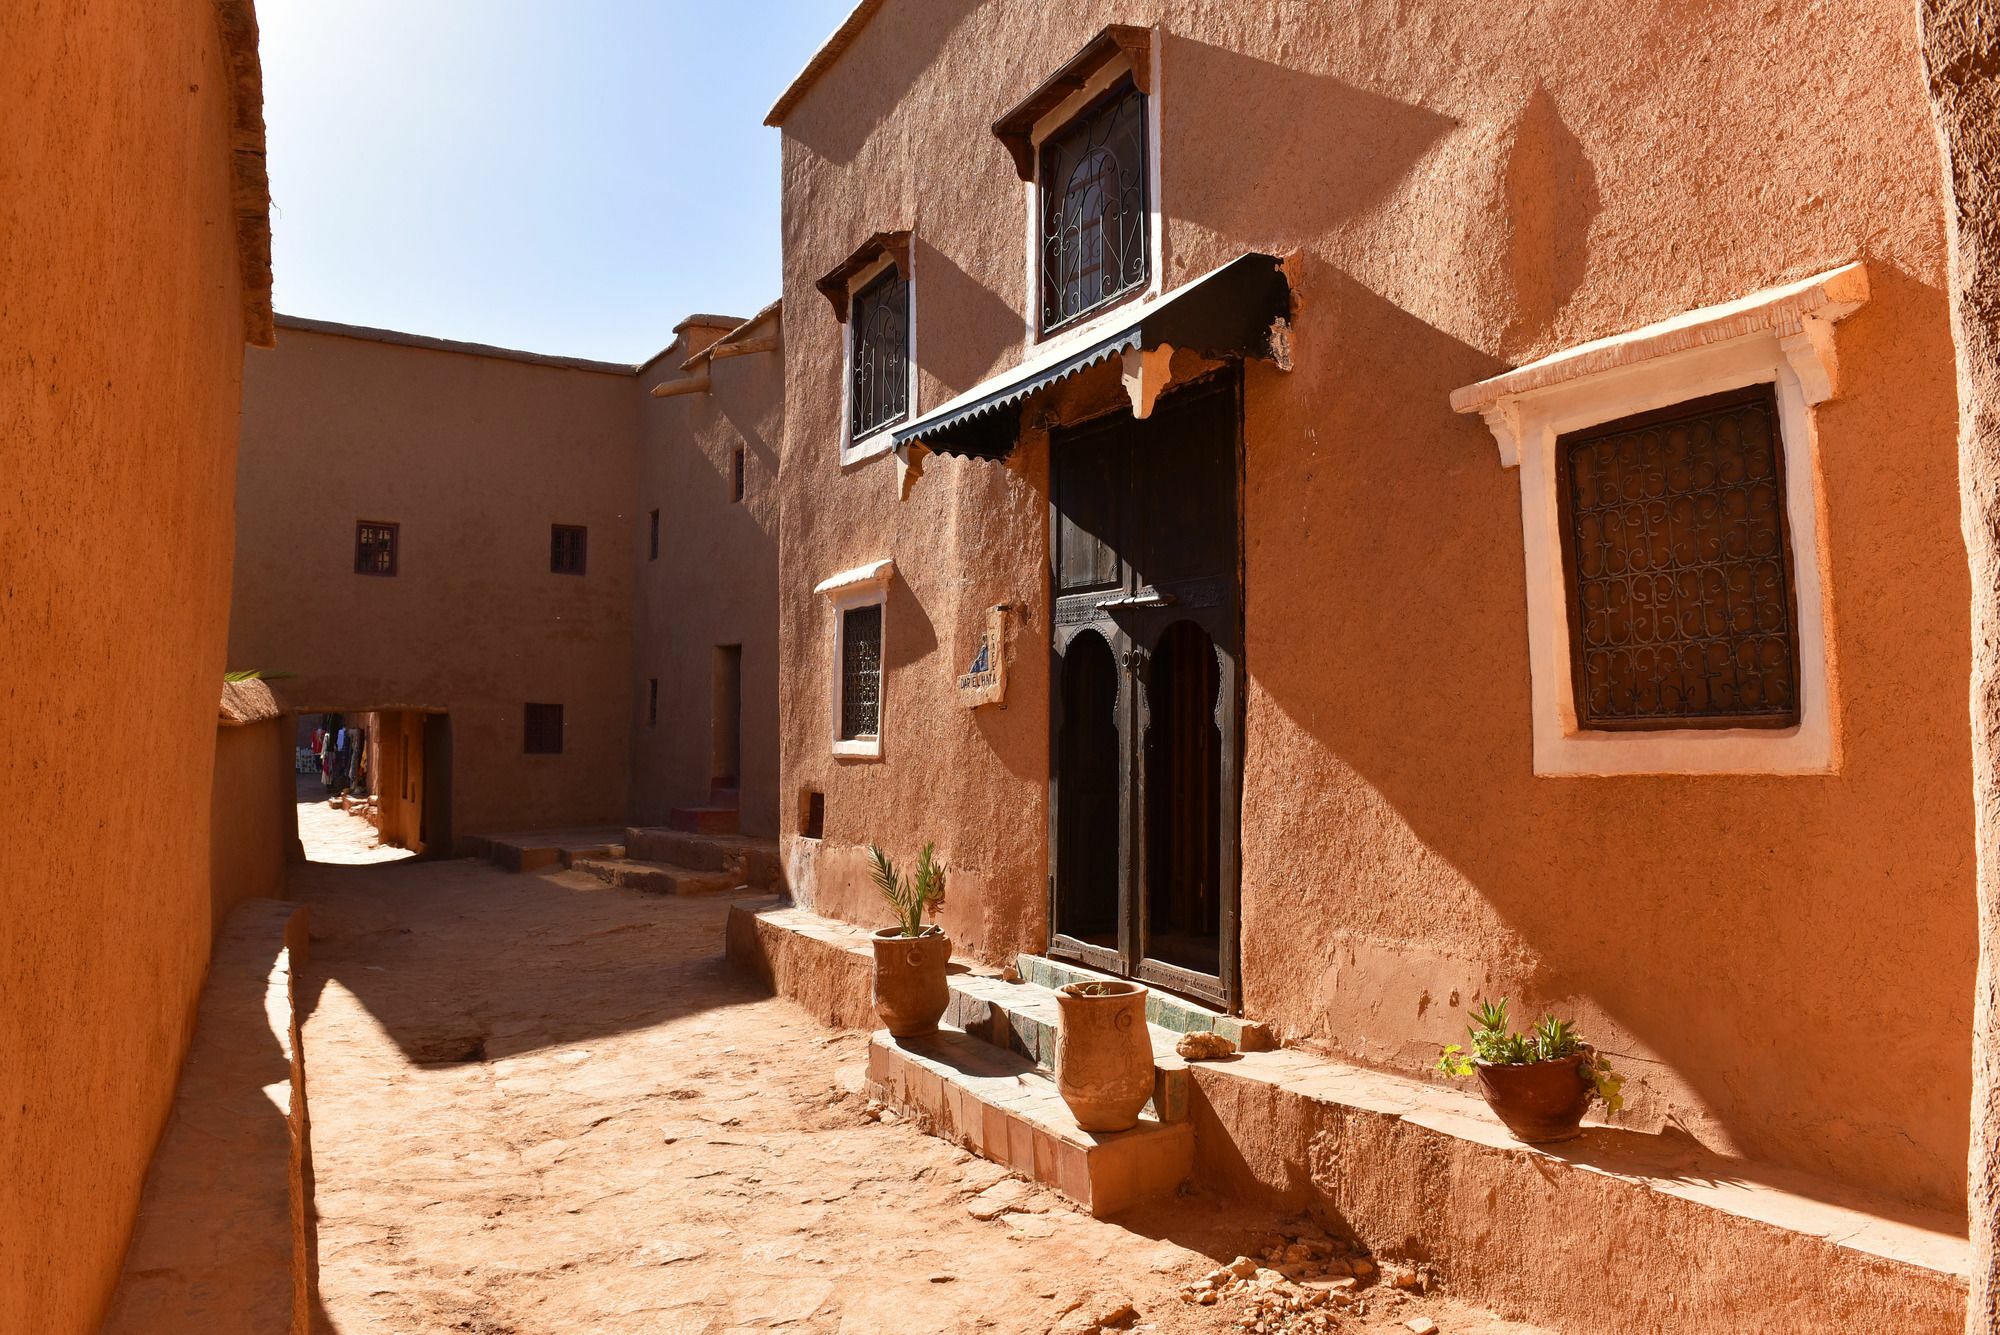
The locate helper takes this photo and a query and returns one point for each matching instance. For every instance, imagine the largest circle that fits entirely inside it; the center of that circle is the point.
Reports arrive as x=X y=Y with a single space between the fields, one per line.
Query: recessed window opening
x=568 y=545
x=652 y=702
x=737 y=480
x=375 y=548
x=1678 y=568
x=878 y=391
x=861 y=673
x=812 y=815
x=653 y=536
x=1095 y=223
x=542 y=730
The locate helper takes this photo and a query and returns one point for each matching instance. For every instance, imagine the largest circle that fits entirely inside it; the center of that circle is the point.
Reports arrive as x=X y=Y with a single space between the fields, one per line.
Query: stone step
x=704 y=820
x=828 y=967
x=657 y=878
x=998 y=1104
x=754 y=862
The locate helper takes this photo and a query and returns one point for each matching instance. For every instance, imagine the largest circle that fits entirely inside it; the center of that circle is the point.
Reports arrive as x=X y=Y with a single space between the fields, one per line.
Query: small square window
x=567 y=544
x=653 y=702
x=1095 y=222
x=736 y=477
x=542 y=730
x=653 y=536
x=374 y=548
x=861 y=673
x=1677 y=568
x=878 y=386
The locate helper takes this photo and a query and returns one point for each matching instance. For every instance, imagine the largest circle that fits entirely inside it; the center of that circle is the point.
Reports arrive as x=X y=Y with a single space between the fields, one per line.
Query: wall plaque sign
x=985 y=681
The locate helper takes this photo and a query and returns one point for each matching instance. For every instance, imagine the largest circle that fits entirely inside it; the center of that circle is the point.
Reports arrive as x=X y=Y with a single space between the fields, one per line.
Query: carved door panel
x=1147 y=701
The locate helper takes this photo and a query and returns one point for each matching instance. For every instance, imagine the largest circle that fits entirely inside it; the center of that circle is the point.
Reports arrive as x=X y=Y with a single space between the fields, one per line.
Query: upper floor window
x=568 y=545
x=374 y=548
x=872 y=293
x=1095 y=217
x=878 y=382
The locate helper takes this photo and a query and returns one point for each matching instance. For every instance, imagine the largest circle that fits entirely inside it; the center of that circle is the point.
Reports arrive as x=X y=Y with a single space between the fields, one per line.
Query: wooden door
x=1146 y=703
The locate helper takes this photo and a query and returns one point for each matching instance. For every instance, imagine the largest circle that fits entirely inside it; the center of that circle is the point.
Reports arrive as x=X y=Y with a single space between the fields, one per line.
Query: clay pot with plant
x=1104 y=1053
x=1539 y=1083
x=910 y=958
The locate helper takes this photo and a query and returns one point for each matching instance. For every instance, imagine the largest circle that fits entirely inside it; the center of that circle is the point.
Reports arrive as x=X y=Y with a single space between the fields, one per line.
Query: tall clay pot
x=910 y=991
x=1104 y=1054
x=1540 y=1102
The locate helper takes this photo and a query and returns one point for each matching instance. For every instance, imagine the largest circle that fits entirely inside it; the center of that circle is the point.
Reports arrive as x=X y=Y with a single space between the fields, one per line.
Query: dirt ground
x=542 y=1104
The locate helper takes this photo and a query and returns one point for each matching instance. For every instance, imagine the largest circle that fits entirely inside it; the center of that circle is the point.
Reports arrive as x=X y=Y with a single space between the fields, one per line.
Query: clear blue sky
x=567 y=176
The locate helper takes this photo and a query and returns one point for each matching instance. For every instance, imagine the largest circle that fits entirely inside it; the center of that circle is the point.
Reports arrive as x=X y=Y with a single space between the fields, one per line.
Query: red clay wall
x=714 y=581
x=475 y=457
x=254 y=828
x=1783 y=965
x=120 y=356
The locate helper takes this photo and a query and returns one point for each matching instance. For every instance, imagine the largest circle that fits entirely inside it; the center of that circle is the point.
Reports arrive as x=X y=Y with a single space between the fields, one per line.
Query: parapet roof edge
x=401 y=339
x=822 y=60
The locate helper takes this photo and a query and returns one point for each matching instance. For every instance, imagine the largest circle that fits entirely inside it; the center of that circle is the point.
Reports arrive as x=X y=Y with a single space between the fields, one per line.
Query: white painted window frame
x=878 y=443
x=1783 y=342
x=1060 y=116
x=863 y=586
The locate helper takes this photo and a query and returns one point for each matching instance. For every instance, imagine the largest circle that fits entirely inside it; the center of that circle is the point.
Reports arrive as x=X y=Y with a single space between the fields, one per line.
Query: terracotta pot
x=1104 y=1054
x=1540 y=1101
x=910 y=991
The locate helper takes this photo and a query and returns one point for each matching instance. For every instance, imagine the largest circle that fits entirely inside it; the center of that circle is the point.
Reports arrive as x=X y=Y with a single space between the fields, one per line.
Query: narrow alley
x=544 y=1104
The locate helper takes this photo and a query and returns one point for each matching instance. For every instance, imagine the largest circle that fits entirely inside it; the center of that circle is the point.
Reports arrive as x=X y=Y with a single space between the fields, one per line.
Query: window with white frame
x=859 y=603
x=1676 y=587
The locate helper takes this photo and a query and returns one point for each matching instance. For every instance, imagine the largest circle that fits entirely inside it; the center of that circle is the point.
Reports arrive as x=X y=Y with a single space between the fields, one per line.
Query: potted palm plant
x=910 y=958
x=1538 y=1083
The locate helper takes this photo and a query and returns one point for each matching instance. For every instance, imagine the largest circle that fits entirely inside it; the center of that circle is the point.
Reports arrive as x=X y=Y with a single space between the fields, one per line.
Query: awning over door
x=1242 y=309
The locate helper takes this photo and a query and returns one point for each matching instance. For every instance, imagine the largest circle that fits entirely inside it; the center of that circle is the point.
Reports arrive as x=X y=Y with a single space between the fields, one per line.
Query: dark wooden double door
x=1146 y=693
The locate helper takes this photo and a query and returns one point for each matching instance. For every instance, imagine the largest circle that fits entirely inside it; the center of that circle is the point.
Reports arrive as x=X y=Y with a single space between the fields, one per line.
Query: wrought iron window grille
x=1095 y=224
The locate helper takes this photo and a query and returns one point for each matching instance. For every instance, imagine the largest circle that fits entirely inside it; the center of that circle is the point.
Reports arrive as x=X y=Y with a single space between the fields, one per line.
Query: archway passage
x=1146 y=716
x=373 y=785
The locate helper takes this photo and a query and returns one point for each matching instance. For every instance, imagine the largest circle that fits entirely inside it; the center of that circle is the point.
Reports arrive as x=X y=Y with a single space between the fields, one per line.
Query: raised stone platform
x=531 y=850
x=657 y=878
x=999 y=1104
x=1658 y=1233
x=223 y=1242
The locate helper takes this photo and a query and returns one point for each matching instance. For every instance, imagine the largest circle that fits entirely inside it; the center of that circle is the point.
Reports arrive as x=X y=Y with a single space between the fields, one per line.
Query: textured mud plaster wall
x=715 y=582
x=254 y=827
x=1784 y=966
x=475 y=457
x=121 y=334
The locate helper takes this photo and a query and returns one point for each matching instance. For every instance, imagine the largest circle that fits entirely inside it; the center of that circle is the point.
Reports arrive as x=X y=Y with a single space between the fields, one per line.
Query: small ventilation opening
x=812 y=814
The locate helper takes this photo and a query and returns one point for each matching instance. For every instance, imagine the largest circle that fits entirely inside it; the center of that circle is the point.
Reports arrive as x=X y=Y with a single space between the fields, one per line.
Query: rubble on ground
x=1306 y=1280
x=1204 y=1047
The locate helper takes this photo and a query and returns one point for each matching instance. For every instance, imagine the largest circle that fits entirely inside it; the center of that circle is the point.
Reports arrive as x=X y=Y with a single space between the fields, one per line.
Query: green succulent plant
x=1494 y=1043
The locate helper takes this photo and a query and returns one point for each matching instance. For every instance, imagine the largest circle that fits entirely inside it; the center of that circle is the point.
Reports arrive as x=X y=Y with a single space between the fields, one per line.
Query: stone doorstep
x=1020 y=1017
x=1163 y=1009
x=531 y=850
x=1412 y=1163
x=1000 y=1105
x=657 y=878
x=753 y=861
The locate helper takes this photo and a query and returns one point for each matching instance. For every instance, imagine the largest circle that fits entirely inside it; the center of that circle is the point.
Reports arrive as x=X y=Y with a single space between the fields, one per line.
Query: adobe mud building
x=550 y=587
x=1445 y=537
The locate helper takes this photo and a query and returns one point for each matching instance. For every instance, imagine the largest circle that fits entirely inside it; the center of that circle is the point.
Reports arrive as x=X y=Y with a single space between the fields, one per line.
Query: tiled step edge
x=1162 y=1008
x=828 y=967
x=999 y=1105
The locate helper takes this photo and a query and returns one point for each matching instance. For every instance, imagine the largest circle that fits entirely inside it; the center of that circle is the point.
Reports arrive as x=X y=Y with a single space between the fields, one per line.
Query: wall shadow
x=984 y=326
x=1551 y=200
x=1338 y=151
x=877 y=70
